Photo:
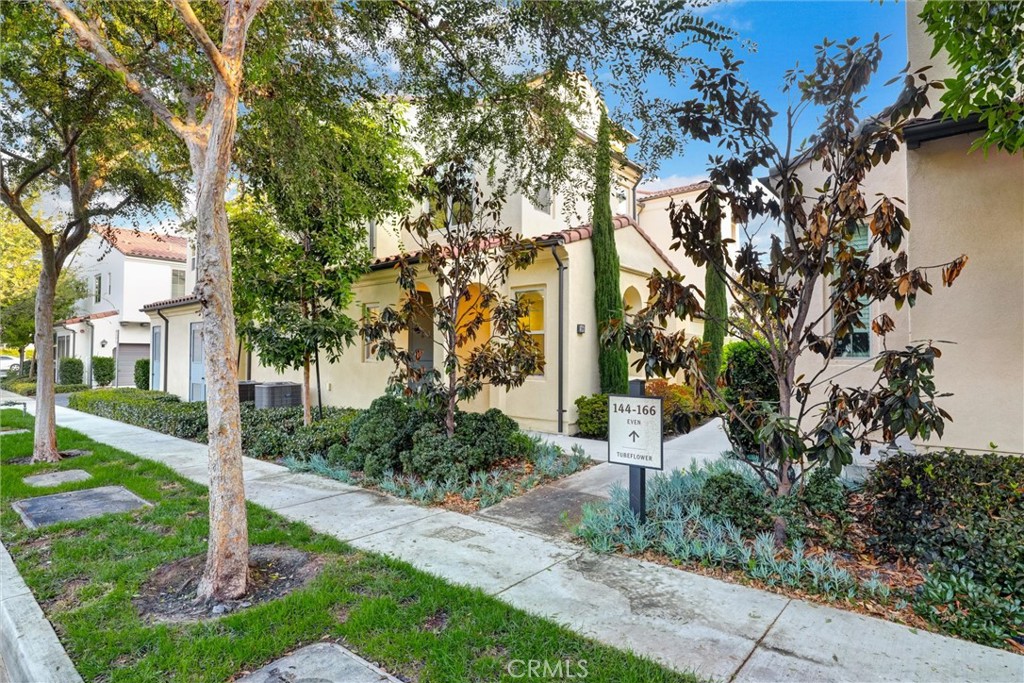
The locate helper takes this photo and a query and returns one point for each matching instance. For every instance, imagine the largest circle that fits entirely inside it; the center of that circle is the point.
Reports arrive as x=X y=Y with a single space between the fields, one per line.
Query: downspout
x=636 y=214
x=166 y=335
x=92 y=340
x=561 y=337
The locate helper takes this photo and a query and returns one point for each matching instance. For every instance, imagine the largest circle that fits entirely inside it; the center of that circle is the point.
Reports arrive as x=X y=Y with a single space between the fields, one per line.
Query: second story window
x=177 y=283
x=857 y=343
x=98 y=293
x=543 y=201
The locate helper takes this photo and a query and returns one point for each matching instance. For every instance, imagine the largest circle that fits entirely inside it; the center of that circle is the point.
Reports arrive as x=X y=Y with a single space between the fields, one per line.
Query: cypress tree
x=716 y=311
x=612 y=361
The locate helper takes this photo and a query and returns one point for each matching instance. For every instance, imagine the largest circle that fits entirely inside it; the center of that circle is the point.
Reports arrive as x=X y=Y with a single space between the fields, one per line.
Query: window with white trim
x=370 y=314
x=177 y=283
x=857 y=342
x=533 y=321
x=98 y=295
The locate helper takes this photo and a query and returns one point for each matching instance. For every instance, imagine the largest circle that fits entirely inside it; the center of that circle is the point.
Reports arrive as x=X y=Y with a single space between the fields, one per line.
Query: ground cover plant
x=85 y=574
x=908 y=548
x=396 y=446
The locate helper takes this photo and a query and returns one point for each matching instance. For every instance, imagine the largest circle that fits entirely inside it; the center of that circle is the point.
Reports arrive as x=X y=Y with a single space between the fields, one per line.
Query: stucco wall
x=963 y=202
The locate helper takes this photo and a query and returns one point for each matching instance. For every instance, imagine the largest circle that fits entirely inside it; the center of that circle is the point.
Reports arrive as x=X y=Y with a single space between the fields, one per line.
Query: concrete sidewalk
x=686 y=621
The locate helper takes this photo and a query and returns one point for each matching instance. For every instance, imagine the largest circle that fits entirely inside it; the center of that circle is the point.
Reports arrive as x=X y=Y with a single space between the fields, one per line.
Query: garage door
x=127 y=354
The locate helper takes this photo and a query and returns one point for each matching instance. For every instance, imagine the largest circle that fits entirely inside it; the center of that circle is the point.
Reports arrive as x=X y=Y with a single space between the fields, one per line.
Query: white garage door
x=127 y=354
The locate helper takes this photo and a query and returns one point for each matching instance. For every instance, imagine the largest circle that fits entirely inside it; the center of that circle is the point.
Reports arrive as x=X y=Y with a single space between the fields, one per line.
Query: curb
x=29 y=646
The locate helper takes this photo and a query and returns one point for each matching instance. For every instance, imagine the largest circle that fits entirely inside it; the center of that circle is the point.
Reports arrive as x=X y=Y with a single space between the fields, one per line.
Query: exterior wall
x=175 y=335
x=150 y=280
x=958 y=202
x=96 y=257
x=983 y=312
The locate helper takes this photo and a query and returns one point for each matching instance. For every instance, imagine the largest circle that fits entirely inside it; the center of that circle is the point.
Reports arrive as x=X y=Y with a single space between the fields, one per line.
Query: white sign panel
x=634 y=431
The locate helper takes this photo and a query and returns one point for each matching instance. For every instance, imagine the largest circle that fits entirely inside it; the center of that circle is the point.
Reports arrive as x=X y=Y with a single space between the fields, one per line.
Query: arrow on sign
x=633 y=435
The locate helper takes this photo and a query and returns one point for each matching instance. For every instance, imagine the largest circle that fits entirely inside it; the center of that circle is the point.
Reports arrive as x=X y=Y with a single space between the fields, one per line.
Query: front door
x=421 y=335
x=196 y=371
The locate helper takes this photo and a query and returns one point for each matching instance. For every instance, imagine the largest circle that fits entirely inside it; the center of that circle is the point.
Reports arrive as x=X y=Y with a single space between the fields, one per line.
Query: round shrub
x=380 y=433
x=142 y=373
x=103 y=370
x=678 y=408
x=748 y=372
x=730 y=495
x=434 y=456
x=491 y=432
x=593 y=416
x=71 y=371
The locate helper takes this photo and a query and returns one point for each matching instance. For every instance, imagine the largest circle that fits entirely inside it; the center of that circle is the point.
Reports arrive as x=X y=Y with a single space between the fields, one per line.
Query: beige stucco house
x=959 y=202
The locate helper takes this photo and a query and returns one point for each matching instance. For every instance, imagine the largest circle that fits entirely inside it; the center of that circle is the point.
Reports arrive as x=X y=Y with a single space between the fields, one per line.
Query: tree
x=470 y=67
x=716 y=298
x=301 y=245
x=19 y=260
x=983 y=41
x=823 y=248
x=19 y=312
x=69 y=132
x=483 y=335
x=612 y=361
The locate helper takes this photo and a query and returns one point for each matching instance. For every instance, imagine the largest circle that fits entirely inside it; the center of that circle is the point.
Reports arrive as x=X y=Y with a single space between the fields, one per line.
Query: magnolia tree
x=822 y=249
x=467 y=256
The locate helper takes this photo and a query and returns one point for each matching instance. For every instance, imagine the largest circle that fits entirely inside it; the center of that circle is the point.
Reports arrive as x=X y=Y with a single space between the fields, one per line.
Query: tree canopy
x=984 y=42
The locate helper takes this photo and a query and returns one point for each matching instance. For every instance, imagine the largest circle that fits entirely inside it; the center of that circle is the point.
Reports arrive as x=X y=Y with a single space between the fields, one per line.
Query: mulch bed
x=169 y=595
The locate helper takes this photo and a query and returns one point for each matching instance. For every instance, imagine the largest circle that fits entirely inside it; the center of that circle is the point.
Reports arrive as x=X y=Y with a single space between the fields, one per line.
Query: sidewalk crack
x=539 y=571
x=758 y=643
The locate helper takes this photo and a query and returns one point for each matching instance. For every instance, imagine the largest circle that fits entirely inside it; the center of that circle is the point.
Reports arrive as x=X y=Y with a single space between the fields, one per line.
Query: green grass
x=85 y=573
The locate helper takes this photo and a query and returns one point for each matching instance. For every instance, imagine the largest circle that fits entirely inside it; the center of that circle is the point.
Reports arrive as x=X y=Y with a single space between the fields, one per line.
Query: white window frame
x=542 y=292
x=98 y=283
x=184 y=281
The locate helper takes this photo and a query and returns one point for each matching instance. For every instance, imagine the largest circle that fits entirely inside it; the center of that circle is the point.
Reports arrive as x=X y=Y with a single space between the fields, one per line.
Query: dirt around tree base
x=169 y=595
x=64 y=455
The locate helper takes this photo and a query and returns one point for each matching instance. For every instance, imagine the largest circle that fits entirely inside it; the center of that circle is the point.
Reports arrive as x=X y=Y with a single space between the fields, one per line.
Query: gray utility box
x=247 y=390
x=278 y=394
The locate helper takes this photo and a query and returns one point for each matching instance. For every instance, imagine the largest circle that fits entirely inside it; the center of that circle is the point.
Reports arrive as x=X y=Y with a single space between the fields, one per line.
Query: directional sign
x=634 y=431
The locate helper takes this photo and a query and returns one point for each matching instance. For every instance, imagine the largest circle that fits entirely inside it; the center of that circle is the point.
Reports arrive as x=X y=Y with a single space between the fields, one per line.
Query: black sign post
x=638 y=475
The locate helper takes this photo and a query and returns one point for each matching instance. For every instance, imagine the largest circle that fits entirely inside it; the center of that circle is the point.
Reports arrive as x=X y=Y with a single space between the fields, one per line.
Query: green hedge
x=28 y=387
x=962 y=515
x=103 y=370
x=267 y=433
x=142 y=373
x=71 y=371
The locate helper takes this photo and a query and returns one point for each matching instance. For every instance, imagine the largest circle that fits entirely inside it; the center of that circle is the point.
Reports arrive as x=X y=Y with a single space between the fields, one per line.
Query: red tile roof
x=145 y=244
x=576 y=234
x=171 y=303
x=668 y=192
x=90 y=316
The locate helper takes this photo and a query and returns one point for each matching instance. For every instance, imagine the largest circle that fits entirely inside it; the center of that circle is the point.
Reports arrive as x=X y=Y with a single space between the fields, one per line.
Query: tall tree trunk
x=45 y=444
x=227 y=559
x=307 y=395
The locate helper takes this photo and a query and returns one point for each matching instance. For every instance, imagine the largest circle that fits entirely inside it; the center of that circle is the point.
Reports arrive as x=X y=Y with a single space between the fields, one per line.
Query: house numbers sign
x=635 y=431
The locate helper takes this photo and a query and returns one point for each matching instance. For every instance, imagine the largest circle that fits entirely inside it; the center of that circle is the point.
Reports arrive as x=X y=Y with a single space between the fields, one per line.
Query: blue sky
x=784 y=34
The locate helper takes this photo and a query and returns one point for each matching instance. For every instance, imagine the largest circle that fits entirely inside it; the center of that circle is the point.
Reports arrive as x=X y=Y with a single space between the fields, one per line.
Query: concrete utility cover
x=57 y=478
x=13 y=431
x=75 y=505
x=320 y=663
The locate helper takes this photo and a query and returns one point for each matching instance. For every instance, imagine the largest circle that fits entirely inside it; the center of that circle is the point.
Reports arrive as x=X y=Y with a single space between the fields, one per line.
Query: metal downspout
x=561 y=337
x=166 y=338
x=92 y=347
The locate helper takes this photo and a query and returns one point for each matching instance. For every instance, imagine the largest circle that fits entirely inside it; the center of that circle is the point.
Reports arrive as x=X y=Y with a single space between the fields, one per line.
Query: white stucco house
x=123 y=270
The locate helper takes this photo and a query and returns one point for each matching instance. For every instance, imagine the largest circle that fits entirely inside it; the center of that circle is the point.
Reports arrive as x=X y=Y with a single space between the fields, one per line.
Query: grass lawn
x=84 y=574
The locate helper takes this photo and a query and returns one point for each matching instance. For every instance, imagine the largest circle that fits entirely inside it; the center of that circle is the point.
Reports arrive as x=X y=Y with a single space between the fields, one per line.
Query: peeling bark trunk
x=44 y=448
x=227 y=559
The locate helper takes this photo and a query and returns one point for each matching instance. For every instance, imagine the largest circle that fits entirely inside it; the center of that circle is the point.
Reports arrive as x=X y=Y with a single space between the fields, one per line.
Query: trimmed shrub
x=70 y=388
x=593 y=416
x=71 y=371
x=493 y=433
x=380 y=434
x=434 y=456
x=731 y=496
x=750 y=380
x=142 y=373
x=22 y=386
x=103 y=370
